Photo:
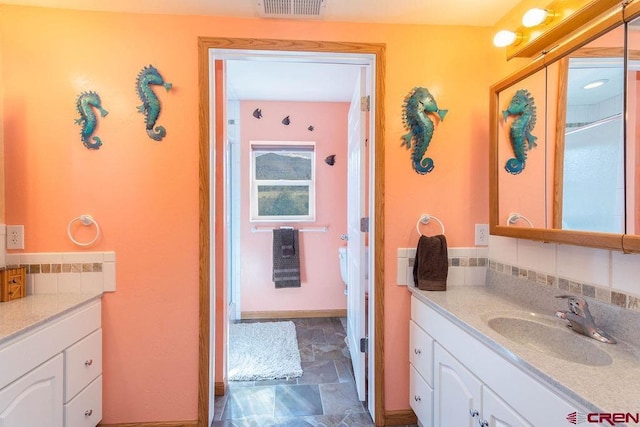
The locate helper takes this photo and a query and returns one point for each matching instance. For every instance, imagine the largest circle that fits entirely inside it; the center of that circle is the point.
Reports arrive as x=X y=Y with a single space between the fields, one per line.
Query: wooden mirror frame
x=581 y=238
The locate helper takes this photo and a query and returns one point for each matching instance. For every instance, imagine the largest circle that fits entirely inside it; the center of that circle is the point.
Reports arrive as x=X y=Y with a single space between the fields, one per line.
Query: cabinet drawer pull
x=88 y=362
x=474 y=413
x=417 y=398
x=417 y=351
x=88 y=412
x=483 y=423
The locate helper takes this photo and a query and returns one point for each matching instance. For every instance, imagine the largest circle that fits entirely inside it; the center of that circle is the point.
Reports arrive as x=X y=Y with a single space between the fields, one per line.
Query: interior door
x=355 y=244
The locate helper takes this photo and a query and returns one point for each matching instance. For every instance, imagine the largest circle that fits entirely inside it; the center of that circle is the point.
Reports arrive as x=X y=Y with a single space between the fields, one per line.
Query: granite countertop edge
x=21 y=316
x=503 y=348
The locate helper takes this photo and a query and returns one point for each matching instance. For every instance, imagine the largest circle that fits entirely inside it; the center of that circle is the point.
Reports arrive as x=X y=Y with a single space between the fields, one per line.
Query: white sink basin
x=550 y=336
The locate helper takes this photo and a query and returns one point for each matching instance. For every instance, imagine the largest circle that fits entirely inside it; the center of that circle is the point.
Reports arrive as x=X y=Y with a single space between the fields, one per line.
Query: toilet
x=342 y=255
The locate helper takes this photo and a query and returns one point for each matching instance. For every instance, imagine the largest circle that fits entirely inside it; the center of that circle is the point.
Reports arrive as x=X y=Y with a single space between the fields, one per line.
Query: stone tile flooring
x=325 y=395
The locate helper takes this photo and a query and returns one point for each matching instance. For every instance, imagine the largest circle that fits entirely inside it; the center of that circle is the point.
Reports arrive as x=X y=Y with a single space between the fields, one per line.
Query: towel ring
x=424 y=219
x=514 y=217
x=86 y=220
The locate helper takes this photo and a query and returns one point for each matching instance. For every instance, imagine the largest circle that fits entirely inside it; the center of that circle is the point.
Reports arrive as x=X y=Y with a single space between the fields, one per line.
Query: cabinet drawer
x=421 y=398
x=421 y=351
x=82 y=364
x=85 y=410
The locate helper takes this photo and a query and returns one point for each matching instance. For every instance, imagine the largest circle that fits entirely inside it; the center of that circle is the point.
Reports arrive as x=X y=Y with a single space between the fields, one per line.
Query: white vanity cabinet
x=473 y=385
x=34 y=399
x=463 y=400
x=51 y=375
x=421 y=375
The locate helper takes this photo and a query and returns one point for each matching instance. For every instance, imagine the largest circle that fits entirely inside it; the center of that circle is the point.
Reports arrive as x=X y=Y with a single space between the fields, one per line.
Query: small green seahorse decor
x=88 y=120
x=418 y=106
x=523 y=107
x=150 y=107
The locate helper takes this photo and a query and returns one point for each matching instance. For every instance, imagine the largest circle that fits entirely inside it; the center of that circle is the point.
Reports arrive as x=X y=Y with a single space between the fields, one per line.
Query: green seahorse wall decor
x=88 y=121
x=147 y=77
x=523 y=107
x=419 y=104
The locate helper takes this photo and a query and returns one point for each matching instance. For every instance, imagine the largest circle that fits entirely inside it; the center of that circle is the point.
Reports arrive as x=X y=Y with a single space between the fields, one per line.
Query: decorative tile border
x=467 y=266
x=590 y=290
x=65 y=272
x=76 y=267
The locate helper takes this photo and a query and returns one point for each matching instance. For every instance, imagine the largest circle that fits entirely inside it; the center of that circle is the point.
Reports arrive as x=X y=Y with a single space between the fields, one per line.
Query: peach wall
x=322 y=287
x=2 y=221
x=145 y=193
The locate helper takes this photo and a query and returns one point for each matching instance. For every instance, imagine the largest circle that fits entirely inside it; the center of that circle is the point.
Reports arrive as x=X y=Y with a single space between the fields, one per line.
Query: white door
x=355 y=244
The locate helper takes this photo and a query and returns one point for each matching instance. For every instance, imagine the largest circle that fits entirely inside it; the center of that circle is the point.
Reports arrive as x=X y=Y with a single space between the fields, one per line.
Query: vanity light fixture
x=536 y=16
x=594 y=84
x=505 y=38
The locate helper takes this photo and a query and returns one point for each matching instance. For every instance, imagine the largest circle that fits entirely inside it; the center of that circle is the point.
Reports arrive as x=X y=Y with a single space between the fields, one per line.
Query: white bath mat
x=263 y=351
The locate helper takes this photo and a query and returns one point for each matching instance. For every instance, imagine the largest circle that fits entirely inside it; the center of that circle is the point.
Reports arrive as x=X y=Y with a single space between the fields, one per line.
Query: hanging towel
x=287 y=248
x=286 y=269
x=431 y=265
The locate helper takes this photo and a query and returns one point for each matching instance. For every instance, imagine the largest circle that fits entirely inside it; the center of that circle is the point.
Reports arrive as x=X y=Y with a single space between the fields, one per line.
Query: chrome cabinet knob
x=474 y=413
x=483 y=423
x=88 y=362
x=88 y=412
x=417 y=398
x=417 y=351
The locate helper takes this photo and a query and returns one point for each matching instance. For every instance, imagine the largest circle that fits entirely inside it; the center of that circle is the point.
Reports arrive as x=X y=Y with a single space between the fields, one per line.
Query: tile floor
x=325 y=395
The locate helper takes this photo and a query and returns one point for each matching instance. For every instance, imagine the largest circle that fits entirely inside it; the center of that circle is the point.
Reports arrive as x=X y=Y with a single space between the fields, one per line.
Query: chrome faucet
x=581 y=320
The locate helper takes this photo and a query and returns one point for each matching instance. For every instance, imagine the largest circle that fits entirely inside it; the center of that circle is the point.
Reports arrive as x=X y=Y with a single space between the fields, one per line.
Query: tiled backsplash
x=467 y=266
x=607 y=276
x=572 y=287
x=55 y=272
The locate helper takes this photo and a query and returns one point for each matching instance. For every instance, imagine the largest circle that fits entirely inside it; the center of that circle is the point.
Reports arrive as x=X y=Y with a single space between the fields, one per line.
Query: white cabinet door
x=497 y=413
x=34 y=399
x=421 y=351
x=85 y=410
x=421 y=398
x=456 y=392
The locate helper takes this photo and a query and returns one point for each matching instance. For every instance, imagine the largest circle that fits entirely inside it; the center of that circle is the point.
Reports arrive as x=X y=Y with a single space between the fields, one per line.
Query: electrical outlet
x=15 y=236
x=482 y=234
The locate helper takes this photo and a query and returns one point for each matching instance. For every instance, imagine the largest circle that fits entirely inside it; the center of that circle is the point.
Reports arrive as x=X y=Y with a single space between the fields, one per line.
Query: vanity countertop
x=610 y=388
x=21 y=315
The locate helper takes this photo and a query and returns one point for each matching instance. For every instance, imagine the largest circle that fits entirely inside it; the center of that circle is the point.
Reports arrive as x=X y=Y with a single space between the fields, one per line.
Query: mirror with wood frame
x=548 y=198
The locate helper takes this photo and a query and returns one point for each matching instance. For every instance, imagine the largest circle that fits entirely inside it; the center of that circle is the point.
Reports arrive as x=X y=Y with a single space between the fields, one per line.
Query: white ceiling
x=435 y=12
x=286 y=81
x=264 y=80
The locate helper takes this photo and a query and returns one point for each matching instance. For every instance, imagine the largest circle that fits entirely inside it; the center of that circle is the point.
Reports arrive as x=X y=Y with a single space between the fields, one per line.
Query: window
x=283 y=181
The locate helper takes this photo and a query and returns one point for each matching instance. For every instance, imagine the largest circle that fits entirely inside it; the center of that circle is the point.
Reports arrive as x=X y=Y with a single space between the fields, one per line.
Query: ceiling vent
x=294 y=9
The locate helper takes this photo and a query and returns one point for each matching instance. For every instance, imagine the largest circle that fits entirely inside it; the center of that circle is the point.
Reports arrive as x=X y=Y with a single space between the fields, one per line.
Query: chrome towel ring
x=85 y=220
x=424 y=219
x=514 y=217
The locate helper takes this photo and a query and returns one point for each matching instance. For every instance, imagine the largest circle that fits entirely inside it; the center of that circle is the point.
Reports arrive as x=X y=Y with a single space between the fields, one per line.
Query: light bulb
x=595 y=84
x=504 y=38
x=535 y=16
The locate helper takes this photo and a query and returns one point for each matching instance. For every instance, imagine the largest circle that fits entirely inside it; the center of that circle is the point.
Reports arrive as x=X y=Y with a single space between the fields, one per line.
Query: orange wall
x=144 y=193
x=321 y=288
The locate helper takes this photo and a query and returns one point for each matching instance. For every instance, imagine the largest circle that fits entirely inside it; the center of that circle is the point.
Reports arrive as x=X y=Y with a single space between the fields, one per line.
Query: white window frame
x=281 y=146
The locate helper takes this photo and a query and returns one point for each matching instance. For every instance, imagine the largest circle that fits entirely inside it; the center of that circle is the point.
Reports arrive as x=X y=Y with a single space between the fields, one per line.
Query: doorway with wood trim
x=211 y=196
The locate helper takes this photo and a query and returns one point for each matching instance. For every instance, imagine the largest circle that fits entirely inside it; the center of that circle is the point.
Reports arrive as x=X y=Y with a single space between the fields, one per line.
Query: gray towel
x=286 y=269
x=286 y=234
